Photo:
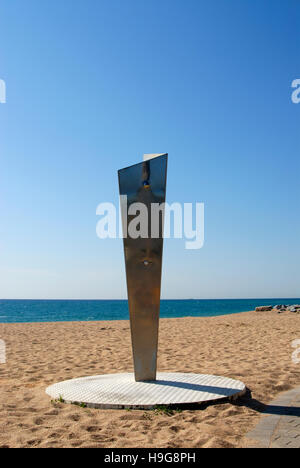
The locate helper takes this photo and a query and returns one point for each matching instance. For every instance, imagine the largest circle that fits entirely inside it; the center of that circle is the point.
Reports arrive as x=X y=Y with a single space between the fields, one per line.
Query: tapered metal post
x=144 y=183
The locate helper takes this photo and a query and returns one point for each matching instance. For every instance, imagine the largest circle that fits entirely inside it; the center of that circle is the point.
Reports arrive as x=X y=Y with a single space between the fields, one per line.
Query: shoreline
x=127 y=320
x=54 y=311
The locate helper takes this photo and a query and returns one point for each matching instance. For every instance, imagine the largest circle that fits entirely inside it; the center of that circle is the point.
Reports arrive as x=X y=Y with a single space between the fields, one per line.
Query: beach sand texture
x=254 y=347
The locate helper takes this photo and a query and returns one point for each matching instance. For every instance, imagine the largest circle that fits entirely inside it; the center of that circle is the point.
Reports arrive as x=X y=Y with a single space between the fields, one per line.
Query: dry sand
x=253 y=347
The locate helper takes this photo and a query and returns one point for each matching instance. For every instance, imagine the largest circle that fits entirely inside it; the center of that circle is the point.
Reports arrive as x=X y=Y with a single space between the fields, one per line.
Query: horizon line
x=162 y=299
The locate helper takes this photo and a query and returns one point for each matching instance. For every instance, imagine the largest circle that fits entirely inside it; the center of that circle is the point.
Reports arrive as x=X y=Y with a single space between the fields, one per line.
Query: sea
x=24 y=311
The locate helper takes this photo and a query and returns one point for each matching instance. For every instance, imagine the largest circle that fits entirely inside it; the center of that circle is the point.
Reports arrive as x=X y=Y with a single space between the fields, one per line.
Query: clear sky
x=94 y=84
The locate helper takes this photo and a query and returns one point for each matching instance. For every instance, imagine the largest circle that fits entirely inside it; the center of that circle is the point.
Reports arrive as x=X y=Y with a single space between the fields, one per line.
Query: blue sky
x=94 y=84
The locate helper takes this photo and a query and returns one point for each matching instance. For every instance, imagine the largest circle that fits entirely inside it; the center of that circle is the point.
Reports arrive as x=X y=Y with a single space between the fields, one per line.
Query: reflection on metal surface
x=144 y=183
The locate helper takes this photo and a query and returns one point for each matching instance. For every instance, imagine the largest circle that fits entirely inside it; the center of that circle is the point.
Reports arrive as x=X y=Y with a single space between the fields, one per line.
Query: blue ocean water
x=20 y=311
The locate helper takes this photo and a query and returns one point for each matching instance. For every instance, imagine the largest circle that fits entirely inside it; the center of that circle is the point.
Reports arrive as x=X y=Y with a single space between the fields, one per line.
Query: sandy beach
x=254 y=347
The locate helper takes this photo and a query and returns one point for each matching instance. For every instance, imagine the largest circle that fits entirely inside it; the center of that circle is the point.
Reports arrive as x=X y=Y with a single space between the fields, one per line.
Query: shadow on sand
x=244 y=401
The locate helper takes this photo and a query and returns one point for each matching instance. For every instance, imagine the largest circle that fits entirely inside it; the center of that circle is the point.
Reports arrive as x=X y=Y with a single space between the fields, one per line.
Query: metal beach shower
x=144 y=183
